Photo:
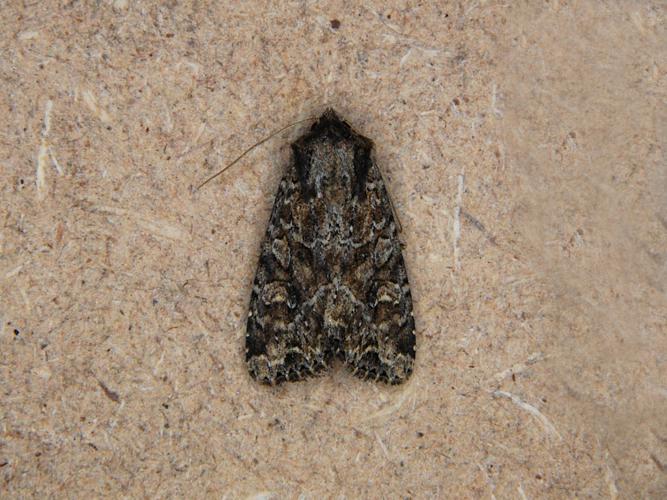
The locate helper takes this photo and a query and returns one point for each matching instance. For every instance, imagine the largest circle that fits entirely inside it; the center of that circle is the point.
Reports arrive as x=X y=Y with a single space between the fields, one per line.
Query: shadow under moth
x=331 y=281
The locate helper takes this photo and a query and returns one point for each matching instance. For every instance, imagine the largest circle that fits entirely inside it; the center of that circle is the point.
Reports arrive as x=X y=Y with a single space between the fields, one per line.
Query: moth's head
x=331 y=128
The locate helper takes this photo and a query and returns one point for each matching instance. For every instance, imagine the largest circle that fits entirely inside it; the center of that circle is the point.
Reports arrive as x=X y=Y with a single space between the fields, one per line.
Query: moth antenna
x=239 y=157
x=399 y=226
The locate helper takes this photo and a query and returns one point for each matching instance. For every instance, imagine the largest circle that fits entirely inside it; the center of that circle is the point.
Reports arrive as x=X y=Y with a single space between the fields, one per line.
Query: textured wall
x=523 y=144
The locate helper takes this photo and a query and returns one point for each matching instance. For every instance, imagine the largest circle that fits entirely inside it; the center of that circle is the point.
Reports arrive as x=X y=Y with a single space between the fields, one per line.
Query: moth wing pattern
x=382 y=346
x=331 y=281
x=276 y=348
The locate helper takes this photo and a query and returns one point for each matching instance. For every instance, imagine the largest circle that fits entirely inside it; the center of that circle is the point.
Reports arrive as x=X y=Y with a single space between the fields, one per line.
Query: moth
x=331 y=282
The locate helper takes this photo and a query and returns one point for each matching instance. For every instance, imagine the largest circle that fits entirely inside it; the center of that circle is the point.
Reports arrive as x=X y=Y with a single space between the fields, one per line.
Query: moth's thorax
x=330 y=173
x=332 y=163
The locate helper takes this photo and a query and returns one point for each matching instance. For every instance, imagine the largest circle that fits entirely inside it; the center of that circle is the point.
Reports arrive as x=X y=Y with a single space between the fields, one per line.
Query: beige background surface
x=524 y=148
